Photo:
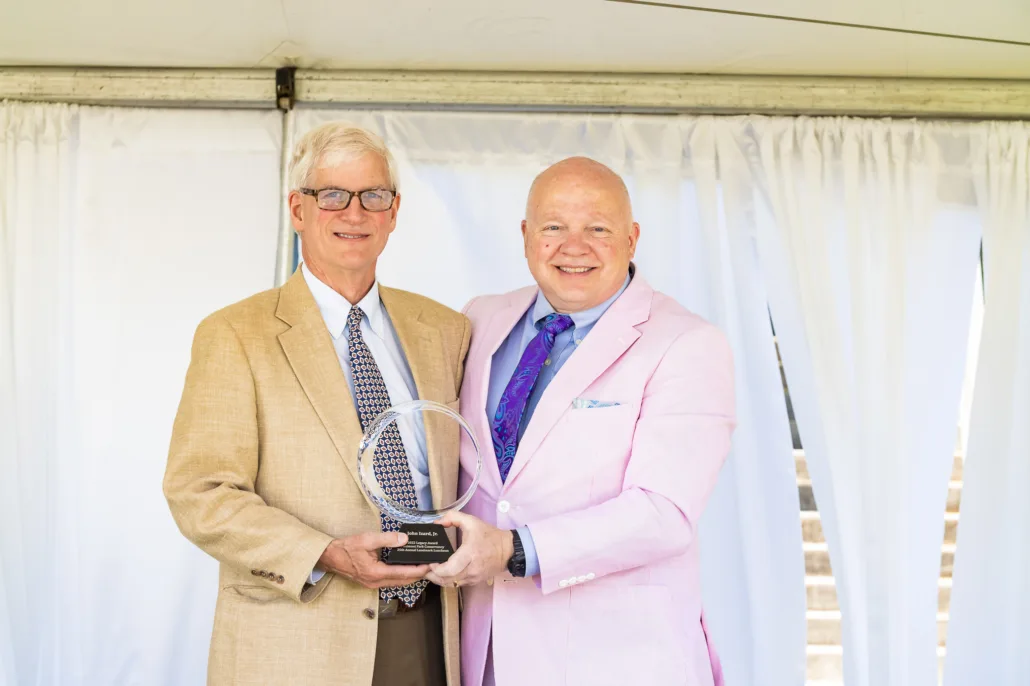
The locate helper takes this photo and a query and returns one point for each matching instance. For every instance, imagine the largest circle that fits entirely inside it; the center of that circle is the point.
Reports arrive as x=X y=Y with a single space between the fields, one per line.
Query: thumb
x=451 y=520
x=388 y=539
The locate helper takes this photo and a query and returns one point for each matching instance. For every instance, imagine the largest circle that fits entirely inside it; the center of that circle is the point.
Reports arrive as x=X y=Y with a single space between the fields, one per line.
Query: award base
x=426 y=543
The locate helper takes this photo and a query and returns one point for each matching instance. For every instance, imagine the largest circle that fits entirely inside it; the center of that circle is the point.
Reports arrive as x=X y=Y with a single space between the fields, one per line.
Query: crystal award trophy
x=427 y=541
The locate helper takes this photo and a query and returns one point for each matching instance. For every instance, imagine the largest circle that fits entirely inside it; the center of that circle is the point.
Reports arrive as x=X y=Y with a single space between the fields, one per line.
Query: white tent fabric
x=120 y=230
x=870 y=265
x=990 y=603
x=36 y=226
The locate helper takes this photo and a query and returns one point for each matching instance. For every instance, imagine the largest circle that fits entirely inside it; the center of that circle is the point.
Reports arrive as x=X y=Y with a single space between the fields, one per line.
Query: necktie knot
x=354 y=319
x=555 y=323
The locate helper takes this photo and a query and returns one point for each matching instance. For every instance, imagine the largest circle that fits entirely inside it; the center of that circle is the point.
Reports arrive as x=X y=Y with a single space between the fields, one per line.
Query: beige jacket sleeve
x=213 y=464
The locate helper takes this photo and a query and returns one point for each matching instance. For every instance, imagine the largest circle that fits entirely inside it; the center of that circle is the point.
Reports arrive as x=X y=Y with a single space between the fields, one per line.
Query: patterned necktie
x=391 y=461
x=505 y=426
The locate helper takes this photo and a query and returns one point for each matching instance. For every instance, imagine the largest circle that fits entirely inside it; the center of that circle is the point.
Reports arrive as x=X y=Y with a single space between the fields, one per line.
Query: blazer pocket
x=596 y=444
x=603 y=428
x=258 y=594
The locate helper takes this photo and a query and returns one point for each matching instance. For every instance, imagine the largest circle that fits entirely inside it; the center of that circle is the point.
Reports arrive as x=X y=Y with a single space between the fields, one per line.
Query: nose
x=355 y=213
x=575 y=244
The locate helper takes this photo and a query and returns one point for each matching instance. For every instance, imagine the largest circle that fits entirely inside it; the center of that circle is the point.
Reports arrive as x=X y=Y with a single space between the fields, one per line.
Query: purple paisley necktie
x=505 y=425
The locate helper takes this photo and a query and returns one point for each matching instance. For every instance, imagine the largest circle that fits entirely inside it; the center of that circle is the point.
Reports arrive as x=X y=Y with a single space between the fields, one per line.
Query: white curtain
x=120 y=230
x=869 y=254
x=464 y=181
x=37 y=167
x=989 y=634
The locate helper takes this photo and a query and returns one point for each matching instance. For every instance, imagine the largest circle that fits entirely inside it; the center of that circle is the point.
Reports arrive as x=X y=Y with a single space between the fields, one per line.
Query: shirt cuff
x=315 y=576
x=529 y=548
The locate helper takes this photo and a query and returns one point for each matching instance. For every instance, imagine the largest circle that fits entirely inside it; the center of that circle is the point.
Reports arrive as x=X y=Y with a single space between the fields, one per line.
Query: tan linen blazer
x=262 y=474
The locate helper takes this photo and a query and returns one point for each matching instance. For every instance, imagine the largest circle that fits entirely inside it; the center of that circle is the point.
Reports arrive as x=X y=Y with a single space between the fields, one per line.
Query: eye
x=598 y=229
x=552 y=227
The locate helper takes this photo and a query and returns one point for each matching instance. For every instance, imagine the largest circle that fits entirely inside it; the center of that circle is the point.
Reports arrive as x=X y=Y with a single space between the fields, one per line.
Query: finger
x=385 y=539
x=398 y=575
x=453 y=568
x=457 y=520
x=439 y=581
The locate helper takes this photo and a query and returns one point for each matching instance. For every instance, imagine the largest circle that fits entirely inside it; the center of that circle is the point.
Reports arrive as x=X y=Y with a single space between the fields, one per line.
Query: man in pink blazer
x=605 y=411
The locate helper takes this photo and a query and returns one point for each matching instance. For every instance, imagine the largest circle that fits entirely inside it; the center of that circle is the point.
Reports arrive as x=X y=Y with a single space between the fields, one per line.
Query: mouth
x=351 y=236
x=574 y=271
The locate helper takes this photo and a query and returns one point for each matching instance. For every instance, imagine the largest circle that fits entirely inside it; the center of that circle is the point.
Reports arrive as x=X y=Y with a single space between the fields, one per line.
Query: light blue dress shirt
x=506 y=360
x=381 y=338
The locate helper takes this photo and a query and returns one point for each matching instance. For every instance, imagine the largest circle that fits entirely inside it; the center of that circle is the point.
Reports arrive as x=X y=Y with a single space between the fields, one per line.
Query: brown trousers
x=409 y=649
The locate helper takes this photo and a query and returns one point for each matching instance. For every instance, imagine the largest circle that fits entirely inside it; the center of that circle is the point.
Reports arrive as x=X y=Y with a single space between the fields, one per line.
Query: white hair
x=333 y=144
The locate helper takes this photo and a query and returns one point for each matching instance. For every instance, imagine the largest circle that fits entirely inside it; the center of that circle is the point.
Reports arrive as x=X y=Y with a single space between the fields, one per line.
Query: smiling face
x=344 y=244
x=579 y=234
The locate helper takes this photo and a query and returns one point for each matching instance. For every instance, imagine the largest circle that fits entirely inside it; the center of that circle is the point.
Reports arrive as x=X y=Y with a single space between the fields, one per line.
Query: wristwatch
x=517 y=563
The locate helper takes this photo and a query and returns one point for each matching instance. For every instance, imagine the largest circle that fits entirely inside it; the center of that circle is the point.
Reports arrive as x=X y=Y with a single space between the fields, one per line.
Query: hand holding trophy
x=427 y=541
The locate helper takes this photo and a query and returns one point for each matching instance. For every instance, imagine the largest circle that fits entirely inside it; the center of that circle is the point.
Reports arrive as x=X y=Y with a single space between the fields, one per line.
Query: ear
x=393 y=212
x=296 y=211
x=525 y=239
x=634 y=236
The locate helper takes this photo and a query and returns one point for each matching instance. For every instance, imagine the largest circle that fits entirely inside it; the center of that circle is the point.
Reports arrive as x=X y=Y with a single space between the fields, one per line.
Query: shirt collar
x=581 y=320
x=335 y=308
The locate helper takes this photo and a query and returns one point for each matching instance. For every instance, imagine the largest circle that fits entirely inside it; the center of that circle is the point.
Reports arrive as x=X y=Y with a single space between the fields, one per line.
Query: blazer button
x=503 y=506
x=280 y=579
x=264 y=574
x=254 y=572
x=369 y=613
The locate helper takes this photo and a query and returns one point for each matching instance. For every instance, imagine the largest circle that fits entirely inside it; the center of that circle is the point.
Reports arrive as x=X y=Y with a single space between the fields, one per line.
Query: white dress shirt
x=381 y=338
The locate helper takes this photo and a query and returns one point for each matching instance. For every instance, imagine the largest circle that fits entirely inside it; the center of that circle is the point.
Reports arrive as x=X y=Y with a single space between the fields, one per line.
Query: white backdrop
x=121 y=230
x=989 y=634
x=870 y=248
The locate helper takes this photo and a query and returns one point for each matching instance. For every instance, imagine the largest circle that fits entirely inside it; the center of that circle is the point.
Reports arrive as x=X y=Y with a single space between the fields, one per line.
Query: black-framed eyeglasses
x=334 y=199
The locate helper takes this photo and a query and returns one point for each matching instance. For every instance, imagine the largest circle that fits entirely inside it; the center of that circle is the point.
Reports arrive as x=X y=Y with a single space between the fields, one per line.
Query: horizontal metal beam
x=544 y=91
x=142 y=87
x=785 y=95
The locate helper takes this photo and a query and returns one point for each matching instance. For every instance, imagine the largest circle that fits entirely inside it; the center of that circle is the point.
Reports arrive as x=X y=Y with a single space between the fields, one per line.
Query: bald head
x=579 y=233
x=584 y=172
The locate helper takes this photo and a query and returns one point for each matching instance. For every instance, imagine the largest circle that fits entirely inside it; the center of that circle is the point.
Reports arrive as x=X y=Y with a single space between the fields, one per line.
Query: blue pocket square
x=585 y=404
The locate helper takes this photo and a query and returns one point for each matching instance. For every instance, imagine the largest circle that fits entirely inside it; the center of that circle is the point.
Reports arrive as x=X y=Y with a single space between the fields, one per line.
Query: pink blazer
x=612 y=496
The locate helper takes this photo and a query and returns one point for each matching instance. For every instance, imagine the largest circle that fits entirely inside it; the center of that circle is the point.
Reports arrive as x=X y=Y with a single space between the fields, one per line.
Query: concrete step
x=826 y=665
x=807 y=497
x=812 y=527
x=802 y=468
x=817 y=559
x=824 y=627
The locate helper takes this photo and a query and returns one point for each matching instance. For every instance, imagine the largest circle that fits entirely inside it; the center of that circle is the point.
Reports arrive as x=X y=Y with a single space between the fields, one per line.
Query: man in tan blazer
x=262 y=469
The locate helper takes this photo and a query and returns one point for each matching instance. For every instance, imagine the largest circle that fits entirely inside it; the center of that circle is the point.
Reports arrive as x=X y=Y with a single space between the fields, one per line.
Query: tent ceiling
x=577 y=35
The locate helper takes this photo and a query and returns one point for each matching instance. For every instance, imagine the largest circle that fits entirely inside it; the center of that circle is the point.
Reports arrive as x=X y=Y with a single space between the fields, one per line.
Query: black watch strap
x=517 y=563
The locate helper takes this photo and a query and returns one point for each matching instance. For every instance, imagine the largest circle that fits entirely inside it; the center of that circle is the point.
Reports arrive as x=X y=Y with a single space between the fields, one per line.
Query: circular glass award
x=417 y=423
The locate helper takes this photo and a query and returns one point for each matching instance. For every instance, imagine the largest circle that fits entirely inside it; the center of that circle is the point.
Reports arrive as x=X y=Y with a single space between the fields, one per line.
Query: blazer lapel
x=309 y=349
x=422 y=347
x=611 y=336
